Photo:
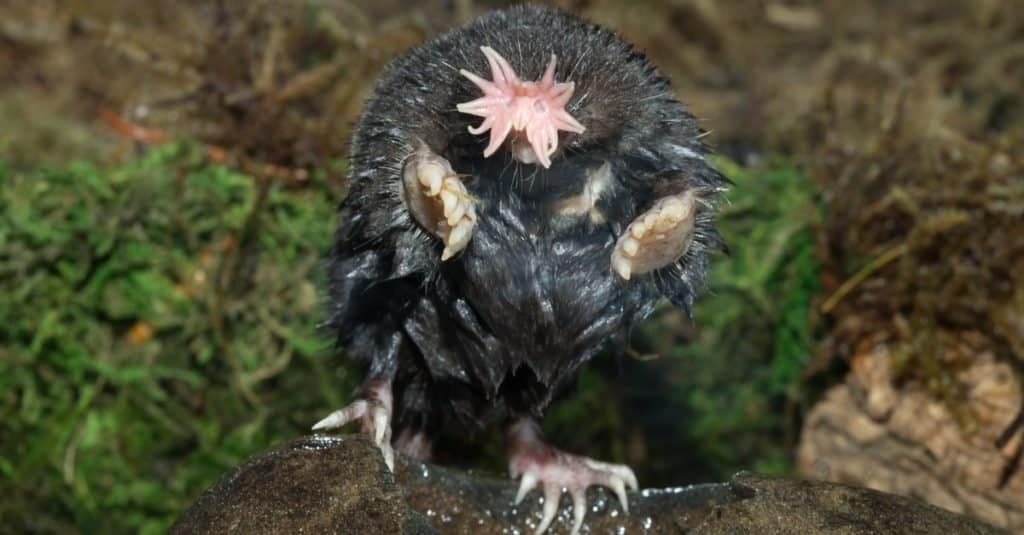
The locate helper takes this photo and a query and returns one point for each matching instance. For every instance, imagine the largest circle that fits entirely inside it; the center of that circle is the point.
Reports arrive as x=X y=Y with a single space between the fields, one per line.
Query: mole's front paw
x=438 y=200
x=657 y=237
x=373 y=411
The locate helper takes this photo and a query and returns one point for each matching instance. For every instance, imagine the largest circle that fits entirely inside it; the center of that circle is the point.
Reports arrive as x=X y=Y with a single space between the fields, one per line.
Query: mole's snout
x=531 y=110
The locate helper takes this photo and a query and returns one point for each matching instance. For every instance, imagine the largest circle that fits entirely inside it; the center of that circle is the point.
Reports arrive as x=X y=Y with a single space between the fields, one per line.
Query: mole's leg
x=373 y=410
x=657 y=237
x=415 y=444
x=438 y=200
x=537 y=462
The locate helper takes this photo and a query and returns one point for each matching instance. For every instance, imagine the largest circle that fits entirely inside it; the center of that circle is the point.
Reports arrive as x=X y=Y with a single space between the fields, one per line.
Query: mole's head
x=559 y=86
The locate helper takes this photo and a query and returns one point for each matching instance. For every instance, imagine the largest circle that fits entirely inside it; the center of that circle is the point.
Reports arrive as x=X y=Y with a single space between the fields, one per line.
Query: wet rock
x=311 y=485
x=341 y=485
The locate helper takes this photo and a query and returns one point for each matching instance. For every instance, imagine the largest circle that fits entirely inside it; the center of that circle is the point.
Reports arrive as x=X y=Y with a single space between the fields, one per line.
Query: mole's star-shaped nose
x=536 y=108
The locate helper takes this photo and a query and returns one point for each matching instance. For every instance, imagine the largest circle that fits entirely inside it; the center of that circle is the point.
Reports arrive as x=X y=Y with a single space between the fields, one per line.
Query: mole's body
x=498 y=232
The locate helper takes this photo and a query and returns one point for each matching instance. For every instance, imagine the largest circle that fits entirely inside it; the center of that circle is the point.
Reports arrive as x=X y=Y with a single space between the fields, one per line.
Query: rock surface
x=869 y=432
x=340 y=485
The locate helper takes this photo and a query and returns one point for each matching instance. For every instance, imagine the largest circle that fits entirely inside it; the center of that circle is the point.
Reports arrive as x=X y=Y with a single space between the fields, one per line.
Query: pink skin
x=540 y=463
x=509 y=104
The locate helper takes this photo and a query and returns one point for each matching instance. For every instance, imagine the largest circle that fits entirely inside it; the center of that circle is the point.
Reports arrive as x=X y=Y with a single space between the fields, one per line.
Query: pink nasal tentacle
x=536 y=109
x=501 y=72
x=548 y=80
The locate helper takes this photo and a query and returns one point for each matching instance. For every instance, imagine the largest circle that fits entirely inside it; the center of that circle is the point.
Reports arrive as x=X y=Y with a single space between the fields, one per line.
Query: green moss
x=736 y=379
x=149 y=312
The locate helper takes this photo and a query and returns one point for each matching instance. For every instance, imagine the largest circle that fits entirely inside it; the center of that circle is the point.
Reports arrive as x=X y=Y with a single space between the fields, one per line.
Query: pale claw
x=526 y=484
x=552 y=495
x=579 y=509
x=620 y=491
x=656 y=238
x=341 y=417
x=380 y=425
x=619 y=471
x=389 y=456
x=458 y=238
x=373 y=412
x=438 y=200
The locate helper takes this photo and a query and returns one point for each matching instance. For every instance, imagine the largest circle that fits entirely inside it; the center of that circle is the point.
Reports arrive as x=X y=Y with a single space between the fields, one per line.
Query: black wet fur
x=501 y=327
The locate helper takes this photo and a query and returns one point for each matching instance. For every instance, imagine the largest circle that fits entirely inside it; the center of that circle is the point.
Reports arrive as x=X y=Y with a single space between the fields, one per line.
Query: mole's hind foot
x=438 y=200
x=657 y=237
x=536 y=462
x=373 y=411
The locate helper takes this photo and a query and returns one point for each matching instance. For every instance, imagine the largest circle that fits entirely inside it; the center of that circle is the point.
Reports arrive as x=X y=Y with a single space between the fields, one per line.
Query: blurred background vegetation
x=169 y=171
